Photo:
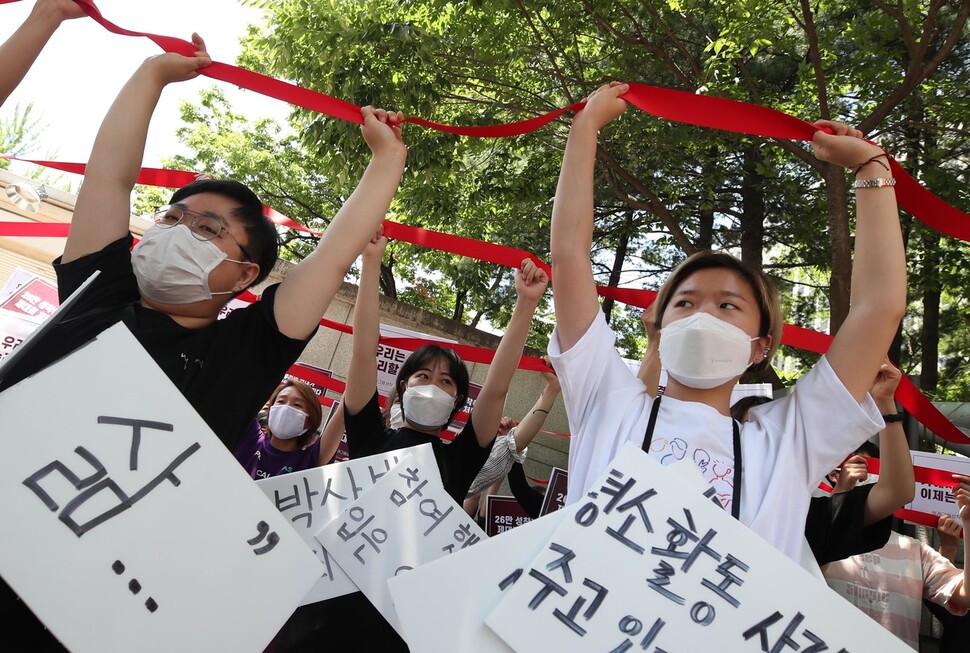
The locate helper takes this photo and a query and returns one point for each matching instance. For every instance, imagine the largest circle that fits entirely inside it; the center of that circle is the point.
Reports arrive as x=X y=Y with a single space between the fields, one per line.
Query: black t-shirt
x=227 y=370
x=834 y=526
x=458 y=462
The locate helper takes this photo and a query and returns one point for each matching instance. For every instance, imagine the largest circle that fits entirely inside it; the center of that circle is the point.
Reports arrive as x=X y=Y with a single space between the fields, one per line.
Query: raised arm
x=897 y=483
x=102 y=211
x=332 y=433
x=571 y=235
x=878 y=293
x=530 y=283
x=527 y=429
x=308 y=289
x=950 y=533
x=362 y=374
x=19 y=52
x=961 y=492
x=649 y=371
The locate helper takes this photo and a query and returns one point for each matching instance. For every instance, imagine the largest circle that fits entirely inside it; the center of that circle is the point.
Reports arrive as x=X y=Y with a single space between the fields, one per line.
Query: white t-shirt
x=788 y=445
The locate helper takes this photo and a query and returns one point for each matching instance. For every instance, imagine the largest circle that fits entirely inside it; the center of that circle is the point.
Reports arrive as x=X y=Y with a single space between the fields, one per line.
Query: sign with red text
x=34 y=301
x=935 y=499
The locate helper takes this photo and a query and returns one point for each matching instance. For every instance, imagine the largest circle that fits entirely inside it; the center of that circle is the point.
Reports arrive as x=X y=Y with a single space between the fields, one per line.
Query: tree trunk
x=752 y=209
x=841 y=241
x=929 y=376
x=617 y=269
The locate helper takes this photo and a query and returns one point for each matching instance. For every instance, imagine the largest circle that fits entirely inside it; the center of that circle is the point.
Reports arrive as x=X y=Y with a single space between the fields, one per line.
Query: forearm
x=19 y=52
x=332 y=433
x=491 y=398
x=897 y=483
x=649 y=371
x=102 y=211
x=361 y=215
x=878 y=290
x=309 y=288
x=949 y=551
x=571 y=235
x=362 y=374
x=527 y=429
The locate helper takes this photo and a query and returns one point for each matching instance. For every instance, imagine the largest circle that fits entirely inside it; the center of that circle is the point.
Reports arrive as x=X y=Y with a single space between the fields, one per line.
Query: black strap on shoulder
x=738 y=463
x=651 y=424
x=738 y=469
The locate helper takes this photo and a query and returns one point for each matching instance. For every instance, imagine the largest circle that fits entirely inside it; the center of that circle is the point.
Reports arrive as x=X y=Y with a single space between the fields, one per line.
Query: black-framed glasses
x=204 y=226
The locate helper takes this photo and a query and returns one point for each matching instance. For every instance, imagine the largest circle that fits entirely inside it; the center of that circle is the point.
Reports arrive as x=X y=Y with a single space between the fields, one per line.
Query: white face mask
x=172 y=266
x=286 y=422
x=396 y=417
x=427 y=407
x=702 y=351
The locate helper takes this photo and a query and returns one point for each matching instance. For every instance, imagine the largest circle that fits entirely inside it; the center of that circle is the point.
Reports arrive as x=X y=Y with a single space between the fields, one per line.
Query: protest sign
x=13 y=331
x=555 y=497
x=464 y=589
x=18 y=279
x=390 y=359
x=935 y=499
x=33 y=301
x=503 y=514
x=25 y=301
x=648 y=563
x=405 y=520
x=129 y=525
x=311 y=498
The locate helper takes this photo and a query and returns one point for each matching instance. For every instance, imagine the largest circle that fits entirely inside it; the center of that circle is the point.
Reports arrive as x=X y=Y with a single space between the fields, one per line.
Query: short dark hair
x=868 y=449
x=262 y=240
x=739 y=410
x=456 y=367
x=764 y=291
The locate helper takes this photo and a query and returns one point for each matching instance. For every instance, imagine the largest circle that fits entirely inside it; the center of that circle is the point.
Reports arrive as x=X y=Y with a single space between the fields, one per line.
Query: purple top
x=262 y=460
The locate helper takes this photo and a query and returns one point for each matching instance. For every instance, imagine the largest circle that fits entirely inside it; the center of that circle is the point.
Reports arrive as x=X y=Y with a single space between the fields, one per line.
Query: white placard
x=934 y=499
x=648 y=564
x=466 y=587
x=310 y=499
x=18 y=279
x=406 y=520
x=130 y=526
x=13 y=331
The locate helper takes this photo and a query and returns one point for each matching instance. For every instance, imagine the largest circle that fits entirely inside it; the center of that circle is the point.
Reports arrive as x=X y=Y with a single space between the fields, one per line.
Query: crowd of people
x=714 y=320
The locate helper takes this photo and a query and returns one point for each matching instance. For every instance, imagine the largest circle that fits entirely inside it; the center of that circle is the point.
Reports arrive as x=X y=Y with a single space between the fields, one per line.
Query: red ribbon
x=679 y=106
x=907 y=393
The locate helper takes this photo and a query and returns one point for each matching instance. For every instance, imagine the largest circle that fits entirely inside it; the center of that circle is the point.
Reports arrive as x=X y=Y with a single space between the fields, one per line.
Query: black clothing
x=834 y=526
x=458 y=462
x=226 y=370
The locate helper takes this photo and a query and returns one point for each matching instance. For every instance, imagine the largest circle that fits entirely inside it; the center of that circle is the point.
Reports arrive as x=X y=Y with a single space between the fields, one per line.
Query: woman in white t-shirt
x=718 y=319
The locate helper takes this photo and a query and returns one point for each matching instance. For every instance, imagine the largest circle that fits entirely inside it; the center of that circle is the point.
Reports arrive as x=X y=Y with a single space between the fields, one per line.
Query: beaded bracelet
x=874 y=159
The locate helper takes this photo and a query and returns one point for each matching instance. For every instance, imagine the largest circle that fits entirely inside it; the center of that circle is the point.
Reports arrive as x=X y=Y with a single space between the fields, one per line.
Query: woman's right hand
x=845 y=146
x=374 y=250
x=603 y=105
x=382 y=132
x=171 y=67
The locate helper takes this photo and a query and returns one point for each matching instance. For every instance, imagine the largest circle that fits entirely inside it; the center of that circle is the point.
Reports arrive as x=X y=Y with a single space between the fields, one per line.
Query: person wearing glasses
x=210 y=243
